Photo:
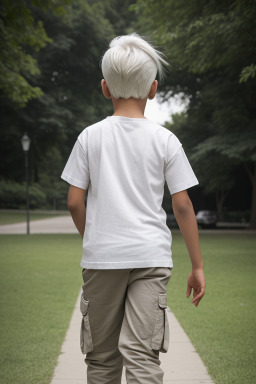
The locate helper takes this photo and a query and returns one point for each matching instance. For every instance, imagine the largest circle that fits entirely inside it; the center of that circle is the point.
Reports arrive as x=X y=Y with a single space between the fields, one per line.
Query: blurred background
x=50 y=54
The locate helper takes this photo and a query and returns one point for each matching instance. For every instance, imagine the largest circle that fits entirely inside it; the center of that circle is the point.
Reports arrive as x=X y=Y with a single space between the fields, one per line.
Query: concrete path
x=182 y=364
x=64 y=224
x=60 y=224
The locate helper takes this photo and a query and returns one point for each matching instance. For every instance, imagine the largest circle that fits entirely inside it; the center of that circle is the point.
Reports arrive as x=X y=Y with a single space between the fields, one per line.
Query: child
x=123 y=162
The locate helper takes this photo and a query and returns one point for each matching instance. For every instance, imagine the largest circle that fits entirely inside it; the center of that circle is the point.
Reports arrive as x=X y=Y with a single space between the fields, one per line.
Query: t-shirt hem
x=126 y=265
x=74 y=182
x=183 y=186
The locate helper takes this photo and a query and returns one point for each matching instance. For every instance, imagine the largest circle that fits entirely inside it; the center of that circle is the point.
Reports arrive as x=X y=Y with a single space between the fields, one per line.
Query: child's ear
x=105 y=89
x=153 y=90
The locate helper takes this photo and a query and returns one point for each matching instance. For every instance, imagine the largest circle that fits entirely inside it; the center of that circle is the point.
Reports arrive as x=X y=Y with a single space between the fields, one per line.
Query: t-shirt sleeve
x=178 y=172
x=76 y=171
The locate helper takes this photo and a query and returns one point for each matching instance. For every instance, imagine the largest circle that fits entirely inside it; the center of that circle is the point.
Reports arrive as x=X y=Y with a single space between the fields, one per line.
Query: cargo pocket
x=160 y=339
x=85 y=332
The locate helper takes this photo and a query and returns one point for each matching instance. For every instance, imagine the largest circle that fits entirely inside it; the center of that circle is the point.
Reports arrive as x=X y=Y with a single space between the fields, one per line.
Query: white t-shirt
x=123 y=163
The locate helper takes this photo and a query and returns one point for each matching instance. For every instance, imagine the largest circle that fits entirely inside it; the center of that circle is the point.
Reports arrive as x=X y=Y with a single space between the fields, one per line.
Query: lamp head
x=25 y=141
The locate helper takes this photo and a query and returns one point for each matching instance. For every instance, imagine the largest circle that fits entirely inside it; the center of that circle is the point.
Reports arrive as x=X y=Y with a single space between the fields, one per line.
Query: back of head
x=130 y=66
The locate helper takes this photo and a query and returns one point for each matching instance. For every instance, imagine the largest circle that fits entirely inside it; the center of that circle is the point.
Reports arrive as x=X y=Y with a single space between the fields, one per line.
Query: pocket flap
x=162 y=300
x=84 y=305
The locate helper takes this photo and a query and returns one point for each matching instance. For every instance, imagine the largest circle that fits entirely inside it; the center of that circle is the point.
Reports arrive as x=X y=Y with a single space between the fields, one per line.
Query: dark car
x=206 y=219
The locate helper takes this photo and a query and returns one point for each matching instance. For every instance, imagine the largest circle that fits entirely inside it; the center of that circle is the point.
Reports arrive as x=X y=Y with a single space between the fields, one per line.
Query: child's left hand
x=196 y=282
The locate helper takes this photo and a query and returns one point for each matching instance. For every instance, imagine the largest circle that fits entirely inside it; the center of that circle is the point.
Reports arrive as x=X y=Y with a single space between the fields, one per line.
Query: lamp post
x=25 y=141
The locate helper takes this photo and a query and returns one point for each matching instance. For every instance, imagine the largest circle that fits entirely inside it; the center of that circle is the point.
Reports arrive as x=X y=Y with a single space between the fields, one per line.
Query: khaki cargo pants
x=124 y=324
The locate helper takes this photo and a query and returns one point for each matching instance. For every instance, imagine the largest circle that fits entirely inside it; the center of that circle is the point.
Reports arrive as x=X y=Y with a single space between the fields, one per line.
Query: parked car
x=206 y=219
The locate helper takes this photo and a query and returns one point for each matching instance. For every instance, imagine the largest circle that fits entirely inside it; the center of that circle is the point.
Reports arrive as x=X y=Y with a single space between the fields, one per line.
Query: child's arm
x=76 y=207
x=185 y=216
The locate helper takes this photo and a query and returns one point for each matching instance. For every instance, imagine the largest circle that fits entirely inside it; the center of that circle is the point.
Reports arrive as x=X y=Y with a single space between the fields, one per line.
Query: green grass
x=8 y=217
x=223 y=327
x=40 y=279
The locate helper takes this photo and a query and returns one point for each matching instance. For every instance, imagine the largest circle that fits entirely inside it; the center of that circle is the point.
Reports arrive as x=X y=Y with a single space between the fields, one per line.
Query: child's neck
x=129 y=107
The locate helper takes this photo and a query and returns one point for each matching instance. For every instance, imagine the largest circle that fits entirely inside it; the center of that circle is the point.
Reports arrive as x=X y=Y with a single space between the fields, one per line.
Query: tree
x=213 y=170
x=20 y=34
x=211 y=46
x=70 y=84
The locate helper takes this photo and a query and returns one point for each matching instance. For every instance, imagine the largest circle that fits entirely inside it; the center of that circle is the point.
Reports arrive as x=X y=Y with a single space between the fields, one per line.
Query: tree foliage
x=21 y=34
x=212 y=50
x=13 y=195
x=66 y=56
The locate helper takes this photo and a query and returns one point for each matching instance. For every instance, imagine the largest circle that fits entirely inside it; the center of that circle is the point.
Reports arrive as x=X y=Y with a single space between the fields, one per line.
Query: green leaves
x=247 y=73
x=212 y=50
x=50 y=66
x=21 y=35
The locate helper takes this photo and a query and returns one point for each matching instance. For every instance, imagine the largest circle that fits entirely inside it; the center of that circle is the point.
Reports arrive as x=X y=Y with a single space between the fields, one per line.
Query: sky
x=161 y=112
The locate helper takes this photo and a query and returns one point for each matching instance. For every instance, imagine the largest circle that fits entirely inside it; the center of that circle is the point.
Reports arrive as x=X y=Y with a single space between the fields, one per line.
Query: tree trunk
x=220 y=199
x=253 y=207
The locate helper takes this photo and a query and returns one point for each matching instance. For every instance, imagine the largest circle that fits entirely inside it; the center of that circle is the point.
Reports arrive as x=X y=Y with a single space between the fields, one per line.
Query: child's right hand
x=196 y=282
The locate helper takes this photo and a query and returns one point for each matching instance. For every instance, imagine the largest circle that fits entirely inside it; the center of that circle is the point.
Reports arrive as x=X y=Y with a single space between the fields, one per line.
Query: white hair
x=130 y=66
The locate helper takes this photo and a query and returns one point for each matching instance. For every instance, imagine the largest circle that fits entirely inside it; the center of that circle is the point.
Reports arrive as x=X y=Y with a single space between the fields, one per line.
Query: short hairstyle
x=130 y=66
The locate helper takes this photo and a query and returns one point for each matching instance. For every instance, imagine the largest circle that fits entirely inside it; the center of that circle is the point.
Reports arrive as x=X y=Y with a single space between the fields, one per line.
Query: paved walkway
x=182 y=364
x=64 y=224
x=60 y=224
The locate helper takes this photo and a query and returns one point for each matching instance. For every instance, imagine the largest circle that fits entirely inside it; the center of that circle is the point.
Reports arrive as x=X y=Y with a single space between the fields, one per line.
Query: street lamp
x=25 y=141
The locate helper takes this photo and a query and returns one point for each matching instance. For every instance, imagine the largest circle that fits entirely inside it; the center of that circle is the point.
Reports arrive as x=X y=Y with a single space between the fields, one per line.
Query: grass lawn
x=9 y=217
x=223 y=327
x=40 y=280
